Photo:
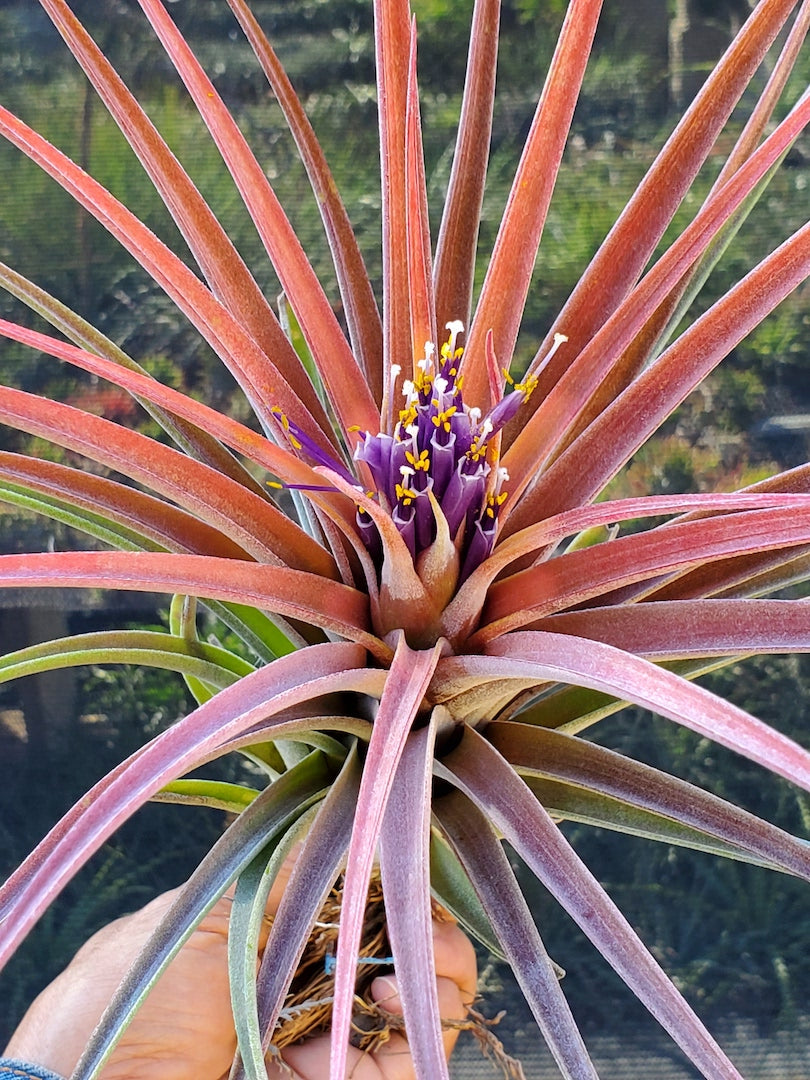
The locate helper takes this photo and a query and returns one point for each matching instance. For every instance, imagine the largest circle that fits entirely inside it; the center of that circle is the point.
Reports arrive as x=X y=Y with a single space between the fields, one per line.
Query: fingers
x=456 y=979
x=455 y=958
x=456 y=975
x=452 y=1006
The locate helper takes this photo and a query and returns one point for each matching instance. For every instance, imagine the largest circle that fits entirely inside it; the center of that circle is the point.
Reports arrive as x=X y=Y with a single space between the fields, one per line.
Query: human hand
x=184 y=1030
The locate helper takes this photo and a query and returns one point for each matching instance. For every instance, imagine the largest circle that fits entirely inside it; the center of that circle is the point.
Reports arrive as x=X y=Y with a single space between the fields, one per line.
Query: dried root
x=308 y=1006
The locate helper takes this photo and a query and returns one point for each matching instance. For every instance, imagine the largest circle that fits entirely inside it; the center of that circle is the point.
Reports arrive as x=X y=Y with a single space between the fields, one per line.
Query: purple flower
x=442 y=447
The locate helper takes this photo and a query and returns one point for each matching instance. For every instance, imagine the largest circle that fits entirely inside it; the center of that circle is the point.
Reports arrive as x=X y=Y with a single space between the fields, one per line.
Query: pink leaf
x=454 y=268
x=589 y=384
x=578 y=576
x=470 y=831
x=533 y=658
x=264 y=384
x=153 y=519
x=483 y=775
x=405 y=869
x=540 y=539
x=391 y=39
x=582 y=471
x=211 y=246
x=539 y=752
x=248 y=519
x=405 y=686
x=287 y=682
x=359 y=303
x=417 y=229
x=633 y=239
x=337 y=366
x=274 y=459
x=676 y=629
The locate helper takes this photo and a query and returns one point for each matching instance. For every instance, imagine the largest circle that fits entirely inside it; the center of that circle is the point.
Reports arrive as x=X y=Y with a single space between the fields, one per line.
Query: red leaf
x=533 y=658
x=454 y=268
x=264 y=384
x=503 y=295
x=337 y=366
x=483 y=775
x=359 y=302
x=290 y=593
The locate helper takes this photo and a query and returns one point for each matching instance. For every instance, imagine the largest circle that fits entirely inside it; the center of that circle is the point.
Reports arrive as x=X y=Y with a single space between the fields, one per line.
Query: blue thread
x=329 y=962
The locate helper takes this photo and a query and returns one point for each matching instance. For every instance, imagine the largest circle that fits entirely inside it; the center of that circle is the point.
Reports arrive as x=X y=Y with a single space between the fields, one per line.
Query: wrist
x=13 y=1069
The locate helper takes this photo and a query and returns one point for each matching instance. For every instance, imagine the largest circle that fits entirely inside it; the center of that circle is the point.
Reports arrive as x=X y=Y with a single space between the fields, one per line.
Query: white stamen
x=559 y=339
x=455 y=327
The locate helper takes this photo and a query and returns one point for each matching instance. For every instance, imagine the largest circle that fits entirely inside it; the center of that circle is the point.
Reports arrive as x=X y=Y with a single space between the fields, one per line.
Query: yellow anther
x=408 y=416
x=442 y=419
x=477 y=449
x=526 y=387
x=423 y=377
x=285 y=423
x=404 y=495
x=493 y=502
x=441 y=422
x=422 y=462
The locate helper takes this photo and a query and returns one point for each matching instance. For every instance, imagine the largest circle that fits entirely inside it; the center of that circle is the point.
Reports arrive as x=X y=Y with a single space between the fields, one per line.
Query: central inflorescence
x=437 y=473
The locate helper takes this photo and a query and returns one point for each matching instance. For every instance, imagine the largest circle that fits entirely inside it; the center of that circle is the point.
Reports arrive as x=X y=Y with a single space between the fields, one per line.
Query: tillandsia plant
x=434 y=601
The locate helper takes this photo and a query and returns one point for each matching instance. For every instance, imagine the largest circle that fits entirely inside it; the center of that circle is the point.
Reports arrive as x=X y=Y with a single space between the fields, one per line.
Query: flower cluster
x=437 y=473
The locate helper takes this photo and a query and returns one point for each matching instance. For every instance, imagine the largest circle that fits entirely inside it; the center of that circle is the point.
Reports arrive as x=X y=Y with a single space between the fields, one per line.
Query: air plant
x=427 y=646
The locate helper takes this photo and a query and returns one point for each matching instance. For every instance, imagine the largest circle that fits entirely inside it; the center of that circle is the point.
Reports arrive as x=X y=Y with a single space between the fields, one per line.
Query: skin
x=184 y=1030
